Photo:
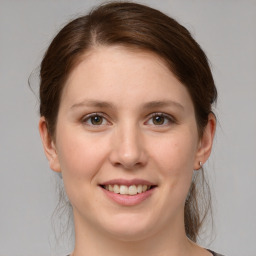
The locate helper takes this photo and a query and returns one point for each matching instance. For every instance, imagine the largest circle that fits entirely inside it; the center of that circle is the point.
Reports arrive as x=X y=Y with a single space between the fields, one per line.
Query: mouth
x=130 y=190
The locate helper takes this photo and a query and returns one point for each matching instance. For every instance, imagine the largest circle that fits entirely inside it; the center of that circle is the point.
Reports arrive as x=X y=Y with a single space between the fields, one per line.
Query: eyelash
x=167 y=119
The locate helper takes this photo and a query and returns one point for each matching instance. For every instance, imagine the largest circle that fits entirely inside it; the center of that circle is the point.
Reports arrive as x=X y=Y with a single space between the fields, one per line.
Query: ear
x=206 y=142
x=49 y=146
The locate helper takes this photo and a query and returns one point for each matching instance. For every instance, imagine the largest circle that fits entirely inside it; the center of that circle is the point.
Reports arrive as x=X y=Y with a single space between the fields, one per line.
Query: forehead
x=118 y=57
x=119 y=73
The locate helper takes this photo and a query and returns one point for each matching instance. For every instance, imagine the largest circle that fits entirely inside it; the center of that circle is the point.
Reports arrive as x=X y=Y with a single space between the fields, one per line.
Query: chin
x=129 y=227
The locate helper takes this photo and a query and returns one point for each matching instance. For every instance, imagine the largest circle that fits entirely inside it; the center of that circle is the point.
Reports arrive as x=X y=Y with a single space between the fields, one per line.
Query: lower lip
x=127 y=200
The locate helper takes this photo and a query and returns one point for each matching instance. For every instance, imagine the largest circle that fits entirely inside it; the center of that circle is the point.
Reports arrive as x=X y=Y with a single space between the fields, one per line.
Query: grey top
x=213 y=253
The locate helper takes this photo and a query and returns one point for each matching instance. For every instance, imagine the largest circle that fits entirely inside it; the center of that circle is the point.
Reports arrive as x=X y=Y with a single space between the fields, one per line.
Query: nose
x=128 y=148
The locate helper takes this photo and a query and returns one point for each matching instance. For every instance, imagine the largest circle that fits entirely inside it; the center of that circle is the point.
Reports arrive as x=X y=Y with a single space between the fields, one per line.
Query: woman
x=126 y=118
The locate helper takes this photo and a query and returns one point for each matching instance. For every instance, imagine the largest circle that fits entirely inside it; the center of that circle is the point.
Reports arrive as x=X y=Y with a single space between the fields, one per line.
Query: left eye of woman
x=159 y=119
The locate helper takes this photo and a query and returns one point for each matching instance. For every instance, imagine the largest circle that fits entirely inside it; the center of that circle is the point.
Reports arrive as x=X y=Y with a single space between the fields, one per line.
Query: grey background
x=227 y=32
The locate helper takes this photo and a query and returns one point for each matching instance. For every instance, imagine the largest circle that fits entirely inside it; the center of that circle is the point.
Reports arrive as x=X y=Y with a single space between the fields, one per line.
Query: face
x=126 y=143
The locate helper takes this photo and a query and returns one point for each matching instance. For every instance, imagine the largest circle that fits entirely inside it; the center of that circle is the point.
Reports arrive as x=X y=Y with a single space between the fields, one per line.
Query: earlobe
x=49 y=145
x=206 y=142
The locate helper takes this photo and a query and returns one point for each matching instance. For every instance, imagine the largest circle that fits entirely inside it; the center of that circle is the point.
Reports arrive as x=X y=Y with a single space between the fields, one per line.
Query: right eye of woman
x=95 y=119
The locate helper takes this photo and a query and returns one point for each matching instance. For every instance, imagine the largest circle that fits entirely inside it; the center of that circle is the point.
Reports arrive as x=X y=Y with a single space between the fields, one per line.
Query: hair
x=134 y=26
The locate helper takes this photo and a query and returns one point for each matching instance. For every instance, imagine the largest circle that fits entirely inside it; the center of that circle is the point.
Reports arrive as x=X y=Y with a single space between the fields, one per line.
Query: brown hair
x=134 y=26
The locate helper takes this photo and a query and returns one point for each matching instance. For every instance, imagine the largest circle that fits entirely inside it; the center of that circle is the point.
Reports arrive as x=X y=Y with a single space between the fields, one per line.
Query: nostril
x=128 y=165
x=128 y=152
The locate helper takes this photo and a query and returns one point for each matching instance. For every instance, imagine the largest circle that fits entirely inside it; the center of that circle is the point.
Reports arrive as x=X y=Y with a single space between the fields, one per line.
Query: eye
x=95 y=119
x=160 y=119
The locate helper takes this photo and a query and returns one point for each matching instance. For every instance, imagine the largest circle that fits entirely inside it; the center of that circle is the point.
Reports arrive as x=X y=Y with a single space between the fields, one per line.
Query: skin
x=127 y=143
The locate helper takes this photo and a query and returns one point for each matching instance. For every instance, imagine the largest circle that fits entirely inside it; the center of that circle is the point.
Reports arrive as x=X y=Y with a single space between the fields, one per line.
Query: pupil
x=96 y=120
x=158 y=120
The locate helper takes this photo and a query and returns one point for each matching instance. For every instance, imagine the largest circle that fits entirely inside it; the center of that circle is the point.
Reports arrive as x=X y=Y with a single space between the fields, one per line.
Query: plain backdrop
x=225 y=29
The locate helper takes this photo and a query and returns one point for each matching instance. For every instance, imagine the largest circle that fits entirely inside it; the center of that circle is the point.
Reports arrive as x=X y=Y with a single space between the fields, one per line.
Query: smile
x=127 y=190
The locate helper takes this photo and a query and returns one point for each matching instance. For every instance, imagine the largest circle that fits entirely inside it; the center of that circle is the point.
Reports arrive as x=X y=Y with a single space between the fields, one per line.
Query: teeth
x=110 y=188
x=116 y=189
x=132 y=190
x=125 y=190
x=139 y=188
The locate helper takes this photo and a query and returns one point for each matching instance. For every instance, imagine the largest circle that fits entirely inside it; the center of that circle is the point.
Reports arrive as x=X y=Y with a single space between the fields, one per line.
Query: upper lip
x=128 y=182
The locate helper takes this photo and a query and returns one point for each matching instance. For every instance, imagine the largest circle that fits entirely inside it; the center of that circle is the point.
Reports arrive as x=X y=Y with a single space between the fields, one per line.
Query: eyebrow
x=93 y=103
x=148 y=105
x=162 y=103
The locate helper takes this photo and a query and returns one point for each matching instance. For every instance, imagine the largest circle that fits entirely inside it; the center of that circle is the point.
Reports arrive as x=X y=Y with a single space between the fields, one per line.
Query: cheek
x=175 y=159
x=78 y=153
x=80 y=160
x=176 y=153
